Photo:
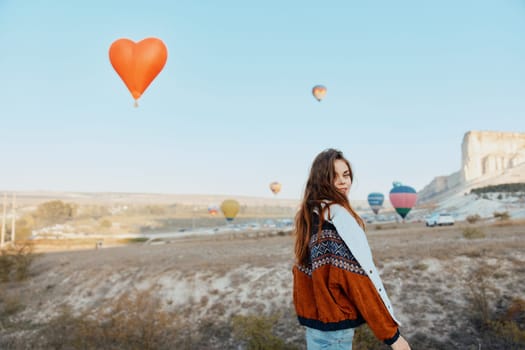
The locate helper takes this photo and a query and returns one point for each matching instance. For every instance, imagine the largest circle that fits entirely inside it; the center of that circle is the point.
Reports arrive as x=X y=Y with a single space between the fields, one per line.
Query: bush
x=135 y=240
x=473 y=233
x=364 y=339
x=6 y=264
x=131 y=323
x=54 y=212
x=12 y=306
x=472 y=219
x=141 y=323
x=92 y=212
x=256 y=331
x=9 y=306
x=106 y=223
x=497 y=328
x=420 y=266
x=15 y=261
x=508 y=188
x=24 y=228
x=502 y=215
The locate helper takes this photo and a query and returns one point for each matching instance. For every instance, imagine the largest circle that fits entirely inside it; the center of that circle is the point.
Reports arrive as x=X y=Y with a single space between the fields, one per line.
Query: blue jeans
x=329 y=340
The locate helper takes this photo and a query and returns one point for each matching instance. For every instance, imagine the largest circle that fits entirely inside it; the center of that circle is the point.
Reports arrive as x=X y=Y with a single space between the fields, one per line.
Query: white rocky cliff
x=488 y=153
x=488 y=158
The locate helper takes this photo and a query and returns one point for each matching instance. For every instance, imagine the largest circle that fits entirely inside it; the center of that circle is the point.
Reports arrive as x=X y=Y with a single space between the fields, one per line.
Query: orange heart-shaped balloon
x=138 y=64
x=319 y=92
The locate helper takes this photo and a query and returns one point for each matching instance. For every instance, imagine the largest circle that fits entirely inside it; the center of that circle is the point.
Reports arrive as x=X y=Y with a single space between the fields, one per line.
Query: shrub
x=504 y=215
x=497 y=328
x=54 y=212
x=106 y=223
x=473 y=233
x=364 y=339
x=92 y=212
x=508 y=188
x=420 y=266
x=131 y=323
x=256 y=331
x=15 y=261
x=210 y=334
x=24 y=228
x=472 y=219
x=10 y=305
x=136 y=240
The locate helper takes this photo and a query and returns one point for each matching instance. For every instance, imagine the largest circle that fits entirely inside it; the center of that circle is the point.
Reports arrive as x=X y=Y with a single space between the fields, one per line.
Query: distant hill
x=32 y=198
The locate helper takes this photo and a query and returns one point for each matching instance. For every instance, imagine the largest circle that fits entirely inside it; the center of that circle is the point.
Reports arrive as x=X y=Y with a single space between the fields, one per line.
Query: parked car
x=440 y=220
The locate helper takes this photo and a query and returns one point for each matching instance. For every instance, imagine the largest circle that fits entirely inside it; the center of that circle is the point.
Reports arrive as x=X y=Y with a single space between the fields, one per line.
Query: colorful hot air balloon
x=375 y=200
x=403 y=198
x=230 y=208
x=138 y=64
x=319 y=92
x=275 y=187
x=213 y=210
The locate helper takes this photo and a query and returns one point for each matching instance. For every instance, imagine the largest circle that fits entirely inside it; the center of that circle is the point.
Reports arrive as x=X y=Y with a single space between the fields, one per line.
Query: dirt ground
x=428 y=273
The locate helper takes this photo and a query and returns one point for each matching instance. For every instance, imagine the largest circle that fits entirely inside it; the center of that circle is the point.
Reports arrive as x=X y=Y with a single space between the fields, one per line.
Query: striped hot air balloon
x=375 y=200
x=403 y=198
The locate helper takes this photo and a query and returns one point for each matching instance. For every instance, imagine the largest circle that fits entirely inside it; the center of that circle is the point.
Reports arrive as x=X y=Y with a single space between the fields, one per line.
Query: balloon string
x=136 y=104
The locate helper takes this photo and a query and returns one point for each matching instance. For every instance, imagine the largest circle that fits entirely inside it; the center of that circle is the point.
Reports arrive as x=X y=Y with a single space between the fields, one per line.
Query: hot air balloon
x=275 y=187
x=402 y=198
x=213 y=210
x=138 y=64
x=319 y=92
x=396 y=183
x=375 y=200
x=230 y=208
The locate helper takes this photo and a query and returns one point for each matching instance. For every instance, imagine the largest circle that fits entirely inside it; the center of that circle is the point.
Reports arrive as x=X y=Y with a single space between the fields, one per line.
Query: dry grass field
x=455 y=287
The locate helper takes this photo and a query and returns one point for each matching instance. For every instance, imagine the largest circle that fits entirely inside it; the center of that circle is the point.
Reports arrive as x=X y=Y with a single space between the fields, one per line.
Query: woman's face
x=342 y=179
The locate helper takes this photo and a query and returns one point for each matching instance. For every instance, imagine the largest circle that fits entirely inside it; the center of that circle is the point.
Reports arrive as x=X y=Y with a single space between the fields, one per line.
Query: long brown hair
x=319 y=191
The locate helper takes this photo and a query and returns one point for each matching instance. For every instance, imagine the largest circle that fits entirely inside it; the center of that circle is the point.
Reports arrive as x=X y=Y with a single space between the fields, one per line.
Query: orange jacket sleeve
x=360 y=292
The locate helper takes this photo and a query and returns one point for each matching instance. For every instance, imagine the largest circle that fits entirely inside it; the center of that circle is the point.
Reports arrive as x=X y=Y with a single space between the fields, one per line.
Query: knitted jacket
x=340 y=287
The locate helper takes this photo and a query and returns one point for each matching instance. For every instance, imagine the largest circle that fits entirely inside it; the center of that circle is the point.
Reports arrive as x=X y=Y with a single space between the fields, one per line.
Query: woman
x=336 y=284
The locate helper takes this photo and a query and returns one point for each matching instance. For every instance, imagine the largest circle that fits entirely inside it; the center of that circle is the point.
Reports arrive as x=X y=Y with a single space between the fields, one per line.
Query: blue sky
x=232 y=110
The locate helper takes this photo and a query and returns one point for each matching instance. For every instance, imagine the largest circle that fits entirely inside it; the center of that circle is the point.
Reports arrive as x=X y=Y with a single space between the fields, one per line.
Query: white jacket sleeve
x=355 y=239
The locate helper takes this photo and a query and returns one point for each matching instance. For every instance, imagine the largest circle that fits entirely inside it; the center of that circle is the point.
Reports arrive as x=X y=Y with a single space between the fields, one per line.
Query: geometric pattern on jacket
x=327 y=247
